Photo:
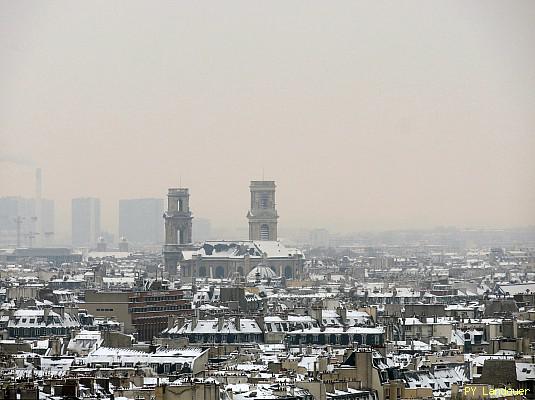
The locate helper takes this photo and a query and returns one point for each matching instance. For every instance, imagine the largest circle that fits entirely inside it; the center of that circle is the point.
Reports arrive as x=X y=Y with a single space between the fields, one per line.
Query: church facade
x=229 y=259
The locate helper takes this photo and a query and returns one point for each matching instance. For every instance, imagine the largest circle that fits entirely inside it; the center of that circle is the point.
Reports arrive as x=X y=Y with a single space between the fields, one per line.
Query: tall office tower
x=319 y=238
x=140 y=220
x=263 y=214
x=85 y=221
x=47 y=225
x=17 y=221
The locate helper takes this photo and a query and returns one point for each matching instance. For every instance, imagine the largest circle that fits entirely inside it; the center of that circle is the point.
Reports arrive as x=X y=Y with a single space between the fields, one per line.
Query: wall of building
x=85 y=221
x=226 y=267
x=110 y=305
x=194 y=391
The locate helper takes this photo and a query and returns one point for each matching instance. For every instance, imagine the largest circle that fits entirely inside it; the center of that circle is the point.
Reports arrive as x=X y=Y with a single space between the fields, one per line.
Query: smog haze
x=368 y=115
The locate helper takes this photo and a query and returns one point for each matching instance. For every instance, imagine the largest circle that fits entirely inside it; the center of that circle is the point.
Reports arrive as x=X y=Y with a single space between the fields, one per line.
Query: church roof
x=238 y=249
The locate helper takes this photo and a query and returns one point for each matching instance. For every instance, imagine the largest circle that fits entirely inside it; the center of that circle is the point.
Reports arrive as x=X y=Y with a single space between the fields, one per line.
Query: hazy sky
x=369 y=115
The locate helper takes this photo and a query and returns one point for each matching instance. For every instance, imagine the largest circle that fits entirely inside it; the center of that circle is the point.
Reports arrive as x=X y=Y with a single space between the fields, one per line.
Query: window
x=264 y=200
x=220 y=272
x=288 y=273
x=264 y=232
x=181 y=235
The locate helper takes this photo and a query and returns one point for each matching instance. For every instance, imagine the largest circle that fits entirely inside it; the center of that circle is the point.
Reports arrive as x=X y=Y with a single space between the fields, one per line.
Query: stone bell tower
x=177 y=227
x=263 y=214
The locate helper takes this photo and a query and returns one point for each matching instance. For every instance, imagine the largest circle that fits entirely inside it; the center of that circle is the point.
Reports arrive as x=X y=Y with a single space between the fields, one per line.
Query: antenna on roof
x=262 y=173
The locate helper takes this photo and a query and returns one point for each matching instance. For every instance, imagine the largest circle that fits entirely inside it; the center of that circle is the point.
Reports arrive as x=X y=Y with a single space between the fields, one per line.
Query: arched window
x=332 y=338
x=180 y=234
x=264 y=232
x=220 y=272
x=344 y=339
x=288 y=273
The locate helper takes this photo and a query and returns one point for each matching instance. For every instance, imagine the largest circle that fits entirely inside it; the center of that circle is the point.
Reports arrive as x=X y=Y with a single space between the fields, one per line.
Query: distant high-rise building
x=319 y=238
x=85 y=221
x=47 y=222
x=140 y=220
x=19 y=225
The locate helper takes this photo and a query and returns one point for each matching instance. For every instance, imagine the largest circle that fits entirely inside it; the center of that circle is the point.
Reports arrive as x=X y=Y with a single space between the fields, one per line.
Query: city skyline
x=267 y=200
x=202 y=227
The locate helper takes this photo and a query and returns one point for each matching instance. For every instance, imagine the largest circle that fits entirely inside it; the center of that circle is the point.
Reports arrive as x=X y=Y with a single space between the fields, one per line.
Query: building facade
x=25 y=222
x=150 y=311
x=178 y=227
x=144 y=312
x=236 y=259
x=229 y=259
x=262 y=215
x=30 y=323
x=85 y=221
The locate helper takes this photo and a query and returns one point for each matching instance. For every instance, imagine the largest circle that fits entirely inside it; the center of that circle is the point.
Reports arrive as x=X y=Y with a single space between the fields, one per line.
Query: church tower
x=263 y=214
x=178 y=221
